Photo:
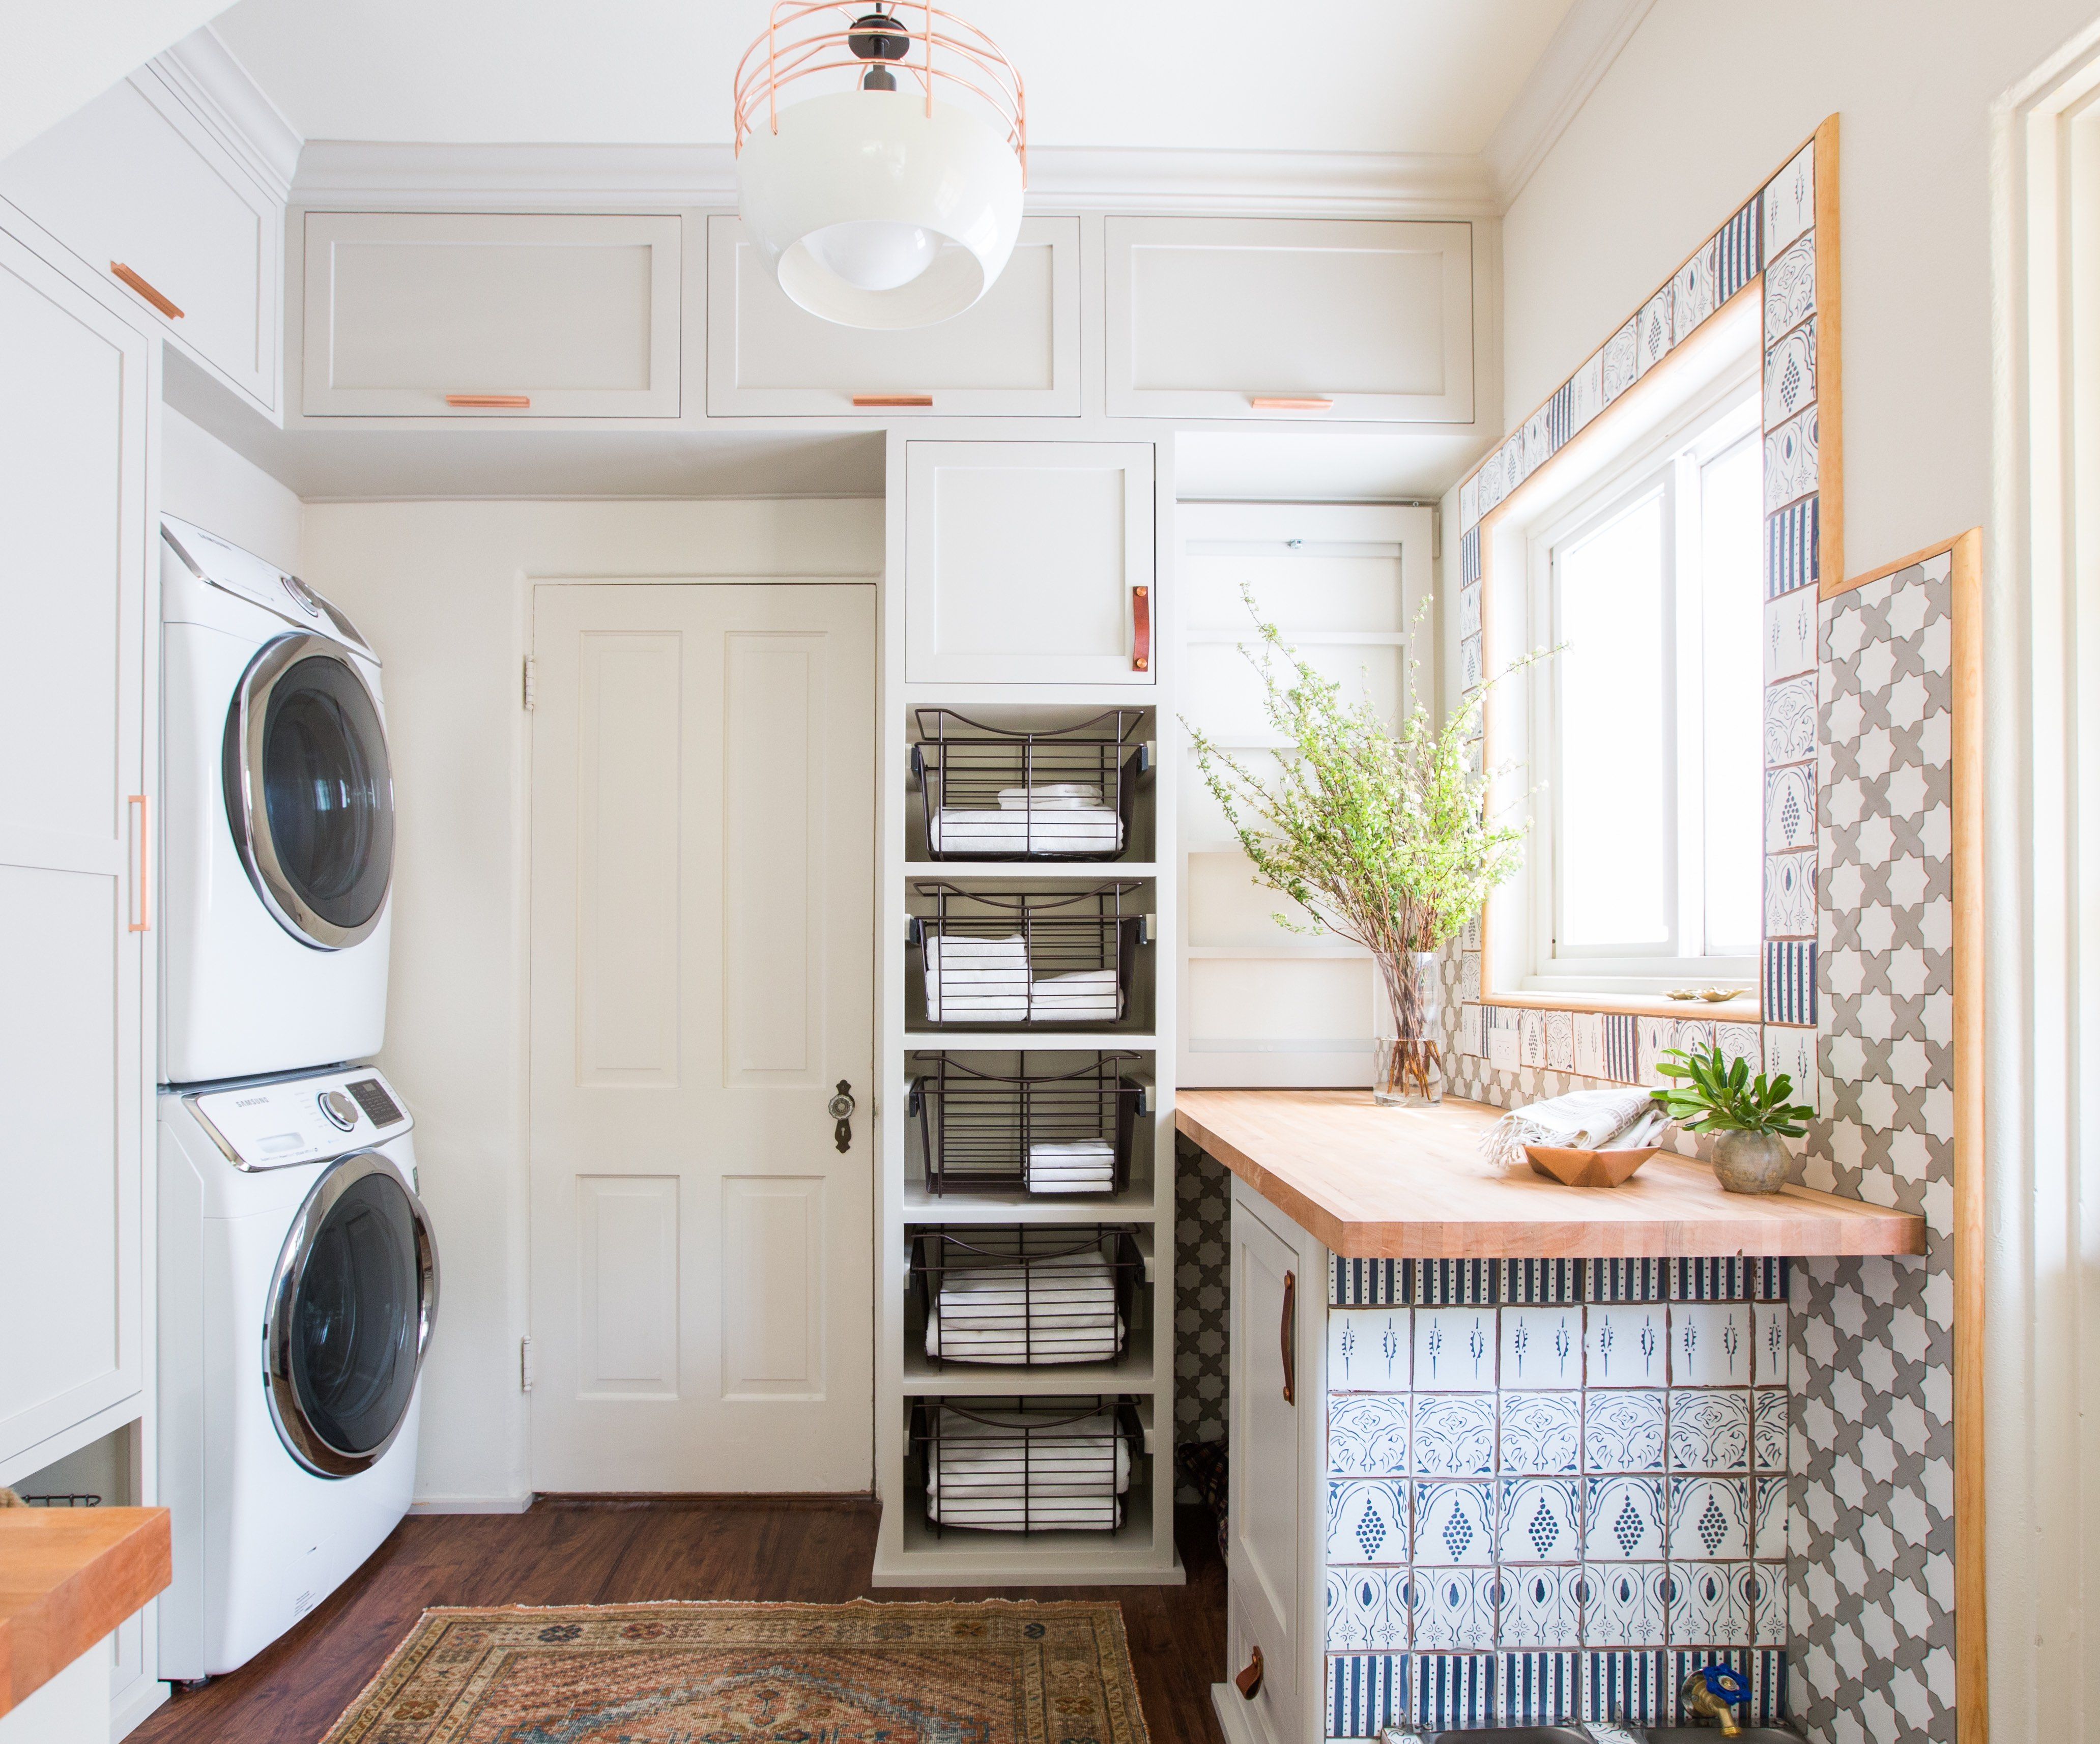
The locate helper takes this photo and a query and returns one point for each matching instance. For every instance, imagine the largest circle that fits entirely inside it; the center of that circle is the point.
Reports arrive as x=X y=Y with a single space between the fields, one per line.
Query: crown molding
x=1576 y=60
x=385 y=174
x=203 y=74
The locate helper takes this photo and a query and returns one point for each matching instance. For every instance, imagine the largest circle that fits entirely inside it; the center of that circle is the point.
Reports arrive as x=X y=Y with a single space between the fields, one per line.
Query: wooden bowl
x=1588 y=1168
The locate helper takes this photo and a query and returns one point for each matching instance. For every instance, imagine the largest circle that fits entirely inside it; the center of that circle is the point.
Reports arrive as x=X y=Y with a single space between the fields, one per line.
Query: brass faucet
x=1711 y=1693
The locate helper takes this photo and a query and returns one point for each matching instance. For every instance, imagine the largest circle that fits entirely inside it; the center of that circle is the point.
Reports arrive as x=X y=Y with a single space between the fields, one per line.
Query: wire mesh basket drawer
x=1028 y=1465
x=1026 y=1296
x=991 y=793
x=1059 y=959
x=1043 y=1132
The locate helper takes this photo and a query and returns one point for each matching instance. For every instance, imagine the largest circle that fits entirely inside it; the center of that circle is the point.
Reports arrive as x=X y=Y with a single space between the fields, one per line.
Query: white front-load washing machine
x=277 y=826
x=298 y=1285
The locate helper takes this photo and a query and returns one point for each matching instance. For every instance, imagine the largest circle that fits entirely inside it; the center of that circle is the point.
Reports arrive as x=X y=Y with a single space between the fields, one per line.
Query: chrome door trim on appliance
x=295 y=1427
x=247 y=805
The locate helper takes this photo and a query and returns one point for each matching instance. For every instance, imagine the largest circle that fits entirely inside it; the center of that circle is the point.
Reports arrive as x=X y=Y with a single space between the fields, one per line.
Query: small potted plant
x=1752 y=1116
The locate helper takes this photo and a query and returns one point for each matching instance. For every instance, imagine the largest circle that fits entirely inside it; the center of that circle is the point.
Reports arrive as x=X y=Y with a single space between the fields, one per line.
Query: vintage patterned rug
x=863 y=1673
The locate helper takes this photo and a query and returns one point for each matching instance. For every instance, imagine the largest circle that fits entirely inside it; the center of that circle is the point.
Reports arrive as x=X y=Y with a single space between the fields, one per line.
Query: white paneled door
x=702 y=976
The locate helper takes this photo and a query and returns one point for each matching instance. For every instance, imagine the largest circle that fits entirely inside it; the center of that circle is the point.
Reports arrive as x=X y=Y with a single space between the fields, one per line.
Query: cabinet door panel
x=576 y=316
x=133 y=179
x=1015 y=352
x=990 y=600
x=74 y=382
x=1269 y=1520
x=1206 y=316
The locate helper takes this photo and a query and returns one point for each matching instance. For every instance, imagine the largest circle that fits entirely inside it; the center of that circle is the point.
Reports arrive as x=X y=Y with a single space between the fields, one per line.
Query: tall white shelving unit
x=1096 y=484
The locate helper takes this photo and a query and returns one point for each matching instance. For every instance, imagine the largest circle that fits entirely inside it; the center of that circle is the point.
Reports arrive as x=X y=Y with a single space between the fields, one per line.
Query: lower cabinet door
x=1268 y=1505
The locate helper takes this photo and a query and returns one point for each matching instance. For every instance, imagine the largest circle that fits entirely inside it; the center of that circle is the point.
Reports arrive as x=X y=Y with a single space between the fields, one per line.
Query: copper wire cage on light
x=891 y=199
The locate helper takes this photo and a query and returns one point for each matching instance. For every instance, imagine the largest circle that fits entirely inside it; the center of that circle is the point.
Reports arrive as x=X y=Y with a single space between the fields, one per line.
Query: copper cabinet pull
x=500 y=402
x=892 y=399
x=1140 y=612
x=138 y=283
x=1289 y=1330
x=144 y=923
x=1248 y=1682
x=1290 y=403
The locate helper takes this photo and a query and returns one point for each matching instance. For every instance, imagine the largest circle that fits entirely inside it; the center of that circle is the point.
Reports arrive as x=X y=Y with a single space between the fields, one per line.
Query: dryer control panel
x=310 y=1118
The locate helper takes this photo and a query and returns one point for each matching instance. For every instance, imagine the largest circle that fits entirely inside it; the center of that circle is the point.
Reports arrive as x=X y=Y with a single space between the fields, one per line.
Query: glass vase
x=1407 y=1061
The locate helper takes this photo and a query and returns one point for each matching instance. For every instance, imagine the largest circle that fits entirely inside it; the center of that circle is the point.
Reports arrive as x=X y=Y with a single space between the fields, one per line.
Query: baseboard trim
x=470 y=1504
x=130 y=1709
x=605 y=1500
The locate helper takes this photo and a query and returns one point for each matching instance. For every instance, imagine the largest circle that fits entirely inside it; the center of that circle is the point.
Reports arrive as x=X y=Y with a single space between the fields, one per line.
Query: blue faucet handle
x=1727 y=1682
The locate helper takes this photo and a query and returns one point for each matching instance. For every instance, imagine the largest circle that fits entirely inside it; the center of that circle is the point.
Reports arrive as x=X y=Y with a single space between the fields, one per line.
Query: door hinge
x=524 y=1365
x=532 y=684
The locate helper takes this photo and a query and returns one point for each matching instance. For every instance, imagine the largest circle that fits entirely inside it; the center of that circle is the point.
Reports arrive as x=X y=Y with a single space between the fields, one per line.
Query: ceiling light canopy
x=894 y=201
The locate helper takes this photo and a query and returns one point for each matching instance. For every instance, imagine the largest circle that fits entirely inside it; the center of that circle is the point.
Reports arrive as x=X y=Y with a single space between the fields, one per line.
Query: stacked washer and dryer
x=298 y=1275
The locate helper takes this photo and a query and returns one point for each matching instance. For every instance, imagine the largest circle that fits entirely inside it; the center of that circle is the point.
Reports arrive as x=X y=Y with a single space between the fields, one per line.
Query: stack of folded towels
x=1581 y=1120
x=991 y=1475
x=1082 y=1165
x=1060 y=1308
x=971 y=980
x=1053 y=817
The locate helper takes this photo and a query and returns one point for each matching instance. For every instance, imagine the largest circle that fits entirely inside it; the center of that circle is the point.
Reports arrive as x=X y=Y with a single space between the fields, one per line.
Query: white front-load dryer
x=277 y=825
x=298 y=1285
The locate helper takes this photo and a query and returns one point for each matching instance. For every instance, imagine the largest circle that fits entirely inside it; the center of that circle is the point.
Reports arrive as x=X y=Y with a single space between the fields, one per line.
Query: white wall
x=54 y=59
x=205 y=481
x=440 y=588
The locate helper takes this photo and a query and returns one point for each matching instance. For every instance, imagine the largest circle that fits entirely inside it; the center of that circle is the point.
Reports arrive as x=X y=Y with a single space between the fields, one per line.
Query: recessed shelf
x=1075 y=1559
x=1132 y=1206
x=1031 y=1041
x=1096 y=871
x=1134 y=1374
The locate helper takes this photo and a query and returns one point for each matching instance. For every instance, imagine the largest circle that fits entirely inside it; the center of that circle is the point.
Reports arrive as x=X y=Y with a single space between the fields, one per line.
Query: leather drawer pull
x=1141 y=614
x=1248 y=1683
x=1288 y=1330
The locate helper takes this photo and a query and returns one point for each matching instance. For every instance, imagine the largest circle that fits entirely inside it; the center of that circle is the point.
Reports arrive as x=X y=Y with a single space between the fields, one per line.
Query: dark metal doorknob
x=841 y=1109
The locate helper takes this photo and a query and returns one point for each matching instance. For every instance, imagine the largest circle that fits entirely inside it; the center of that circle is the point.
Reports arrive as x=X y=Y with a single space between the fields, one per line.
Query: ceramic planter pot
x=1750 y=1162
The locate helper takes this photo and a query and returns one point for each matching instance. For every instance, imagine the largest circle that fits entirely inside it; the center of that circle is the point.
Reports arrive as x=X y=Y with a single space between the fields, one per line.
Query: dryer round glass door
x=350 y=1309
x=309 y=791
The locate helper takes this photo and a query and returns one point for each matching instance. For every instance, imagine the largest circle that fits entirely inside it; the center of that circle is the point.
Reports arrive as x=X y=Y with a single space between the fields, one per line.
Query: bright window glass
x=1731 y=490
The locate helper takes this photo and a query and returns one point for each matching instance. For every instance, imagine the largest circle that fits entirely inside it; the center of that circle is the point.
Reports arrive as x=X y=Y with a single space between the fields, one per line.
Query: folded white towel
x=1029 y=1344
x=974 y=980
x=1583 y=1120
x=1051 y=796
x=1086 y=996
x=1038 y=829
x=987 y=1474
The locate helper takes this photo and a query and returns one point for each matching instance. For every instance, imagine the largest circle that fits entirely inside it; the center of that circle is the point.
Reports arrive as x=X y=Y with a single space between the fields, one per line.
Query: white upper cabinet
x=1028 y=562
x=1015 y=352
x=137 y=190
x=1291 y=318
x=484 y=315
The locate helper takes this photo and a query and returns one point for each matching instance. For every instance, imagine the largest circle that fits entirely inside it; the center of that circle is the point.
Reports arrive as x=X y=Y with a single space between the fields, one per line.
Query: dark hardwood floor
x=564 y=1554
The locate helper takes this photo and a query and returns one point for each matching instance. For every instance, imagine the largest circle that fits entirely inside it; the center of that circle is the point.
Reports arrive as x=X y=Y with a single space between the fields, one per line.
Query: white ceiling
x=1374 y=76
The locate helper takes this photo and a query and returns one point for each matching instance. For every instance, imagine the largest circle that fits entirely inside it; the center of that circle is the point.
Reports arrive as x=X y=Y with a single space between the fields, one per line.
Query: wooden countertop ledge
x=67 y=1577
x=1410 y=1183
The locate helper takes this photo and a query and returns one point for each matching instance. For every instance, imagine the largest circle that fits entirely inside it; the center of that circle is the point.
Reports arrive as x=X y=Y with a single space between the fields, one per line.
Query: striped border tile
x=1789 y=979
x=1369 y=1283
x=1630 y=1685
x=1621 y=1035
x=1771 y=1280
x=1454 y=1691
x=1684 y=1661
x=1739 y=253
x=1540 y=1688
x=1528 y=1281
x=1627 y=1281
x=1717 y=1280
x=1444 y=1283
x=1469 y=557
x=1792 y=558
x=1365 y=1691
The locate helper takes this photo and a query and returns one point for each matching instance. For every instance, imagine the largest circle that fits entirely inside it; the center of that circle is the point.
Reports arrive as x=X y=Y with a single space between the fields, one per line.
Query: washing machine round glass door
x=350 y=1309
x=309 y=791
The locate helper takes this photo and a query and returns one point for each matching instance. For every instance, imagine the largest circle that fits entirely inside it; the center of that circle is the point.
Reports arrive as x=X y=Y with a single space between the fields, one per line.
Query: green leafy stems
x=1711 y=1095
x=1382 y=837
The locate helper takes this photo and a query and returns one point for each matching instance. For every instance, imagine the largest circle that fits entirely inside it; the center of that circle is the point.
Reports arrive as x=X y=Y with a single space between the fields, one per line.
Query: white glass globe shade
x=871 y=164
x=874 y=253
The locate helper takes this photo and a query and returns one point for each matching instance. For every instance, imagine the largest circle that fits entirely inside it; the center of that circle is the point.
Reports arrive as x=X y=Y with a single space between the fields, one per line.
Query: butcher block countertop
x=1410 y=1183
x=67 y=1577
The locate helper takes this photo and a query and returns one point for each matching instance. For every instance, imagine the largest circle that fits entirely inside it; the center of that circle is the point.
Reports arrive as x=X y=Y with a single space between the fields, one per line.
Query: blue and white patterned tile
x=1691 y=292
x=1469 y=975
x=1366 y=1520
x=1738 y=251
x=1768 y=1682
x=1469 y=504
x=1586 y=393
x=1793 y=556
x=1770 y=1524
x=1790 y=808
x=1709 y=1344
x=1624 y=1431
x=1741 y=1041
x=1790 y=897
x=1626 y=1606
x=1790 y=460
x=1619 y=354
x=1589 y=1060
x=1709 y=1519
x=1531 y=1039
x=1625 y=1280
x=1628 y=1686
x=1454 y=1349
x=1538 y=444
x=1709 y=1431
x=1452 y=1282
x=1653 y=1038
x=1791 y=1052
x=1709 y=1603
x=1367 y=1349
x=1625 y=1521
x=1453 y=1691
x=1469 y=599
x=1790 y=375
x=1454 y=1435
x=1470 y=670
x=1368 y=1284
x=1768 y=1323
x=1367 y=1610
x=1541 y=1606
x=1652 y=337
x=1768 y=1430
x=1532 y=1282
x=1502 y=1038
x=1364 y=1692
x=1626 y=1344
x=1789 y=980
x=1541 y=1347
x=1790 y=720
x=1789 y=635
x=1560 y=1041
x=1539 y=1519
x=1764 y=1597
x=1540 y=1689
x=1542 y=1434
x=1457 y=1525
x=1367 y=1435
x=1454 y=1610
x=1473 y=1032
x=1790 y=287
x=1789 y=201
x=1718 y=1280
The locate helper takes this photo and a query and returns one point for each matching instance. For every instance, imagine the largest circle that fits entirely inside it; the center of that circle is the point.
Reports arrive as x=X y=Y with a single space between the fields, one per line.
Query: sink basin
x=1711 y=1734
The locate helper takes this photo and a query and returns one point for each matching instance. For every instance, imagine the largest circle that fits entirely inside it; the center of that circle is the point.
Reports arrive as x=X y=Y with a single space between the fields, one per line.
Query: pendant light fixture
x=881 y=157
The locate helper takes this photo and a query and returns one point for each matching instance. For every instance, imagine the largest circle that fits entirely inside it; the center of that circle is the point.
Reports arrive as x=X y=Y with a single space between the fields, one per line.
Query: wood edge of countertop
x=1799 y=1222
x=67 y=1577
